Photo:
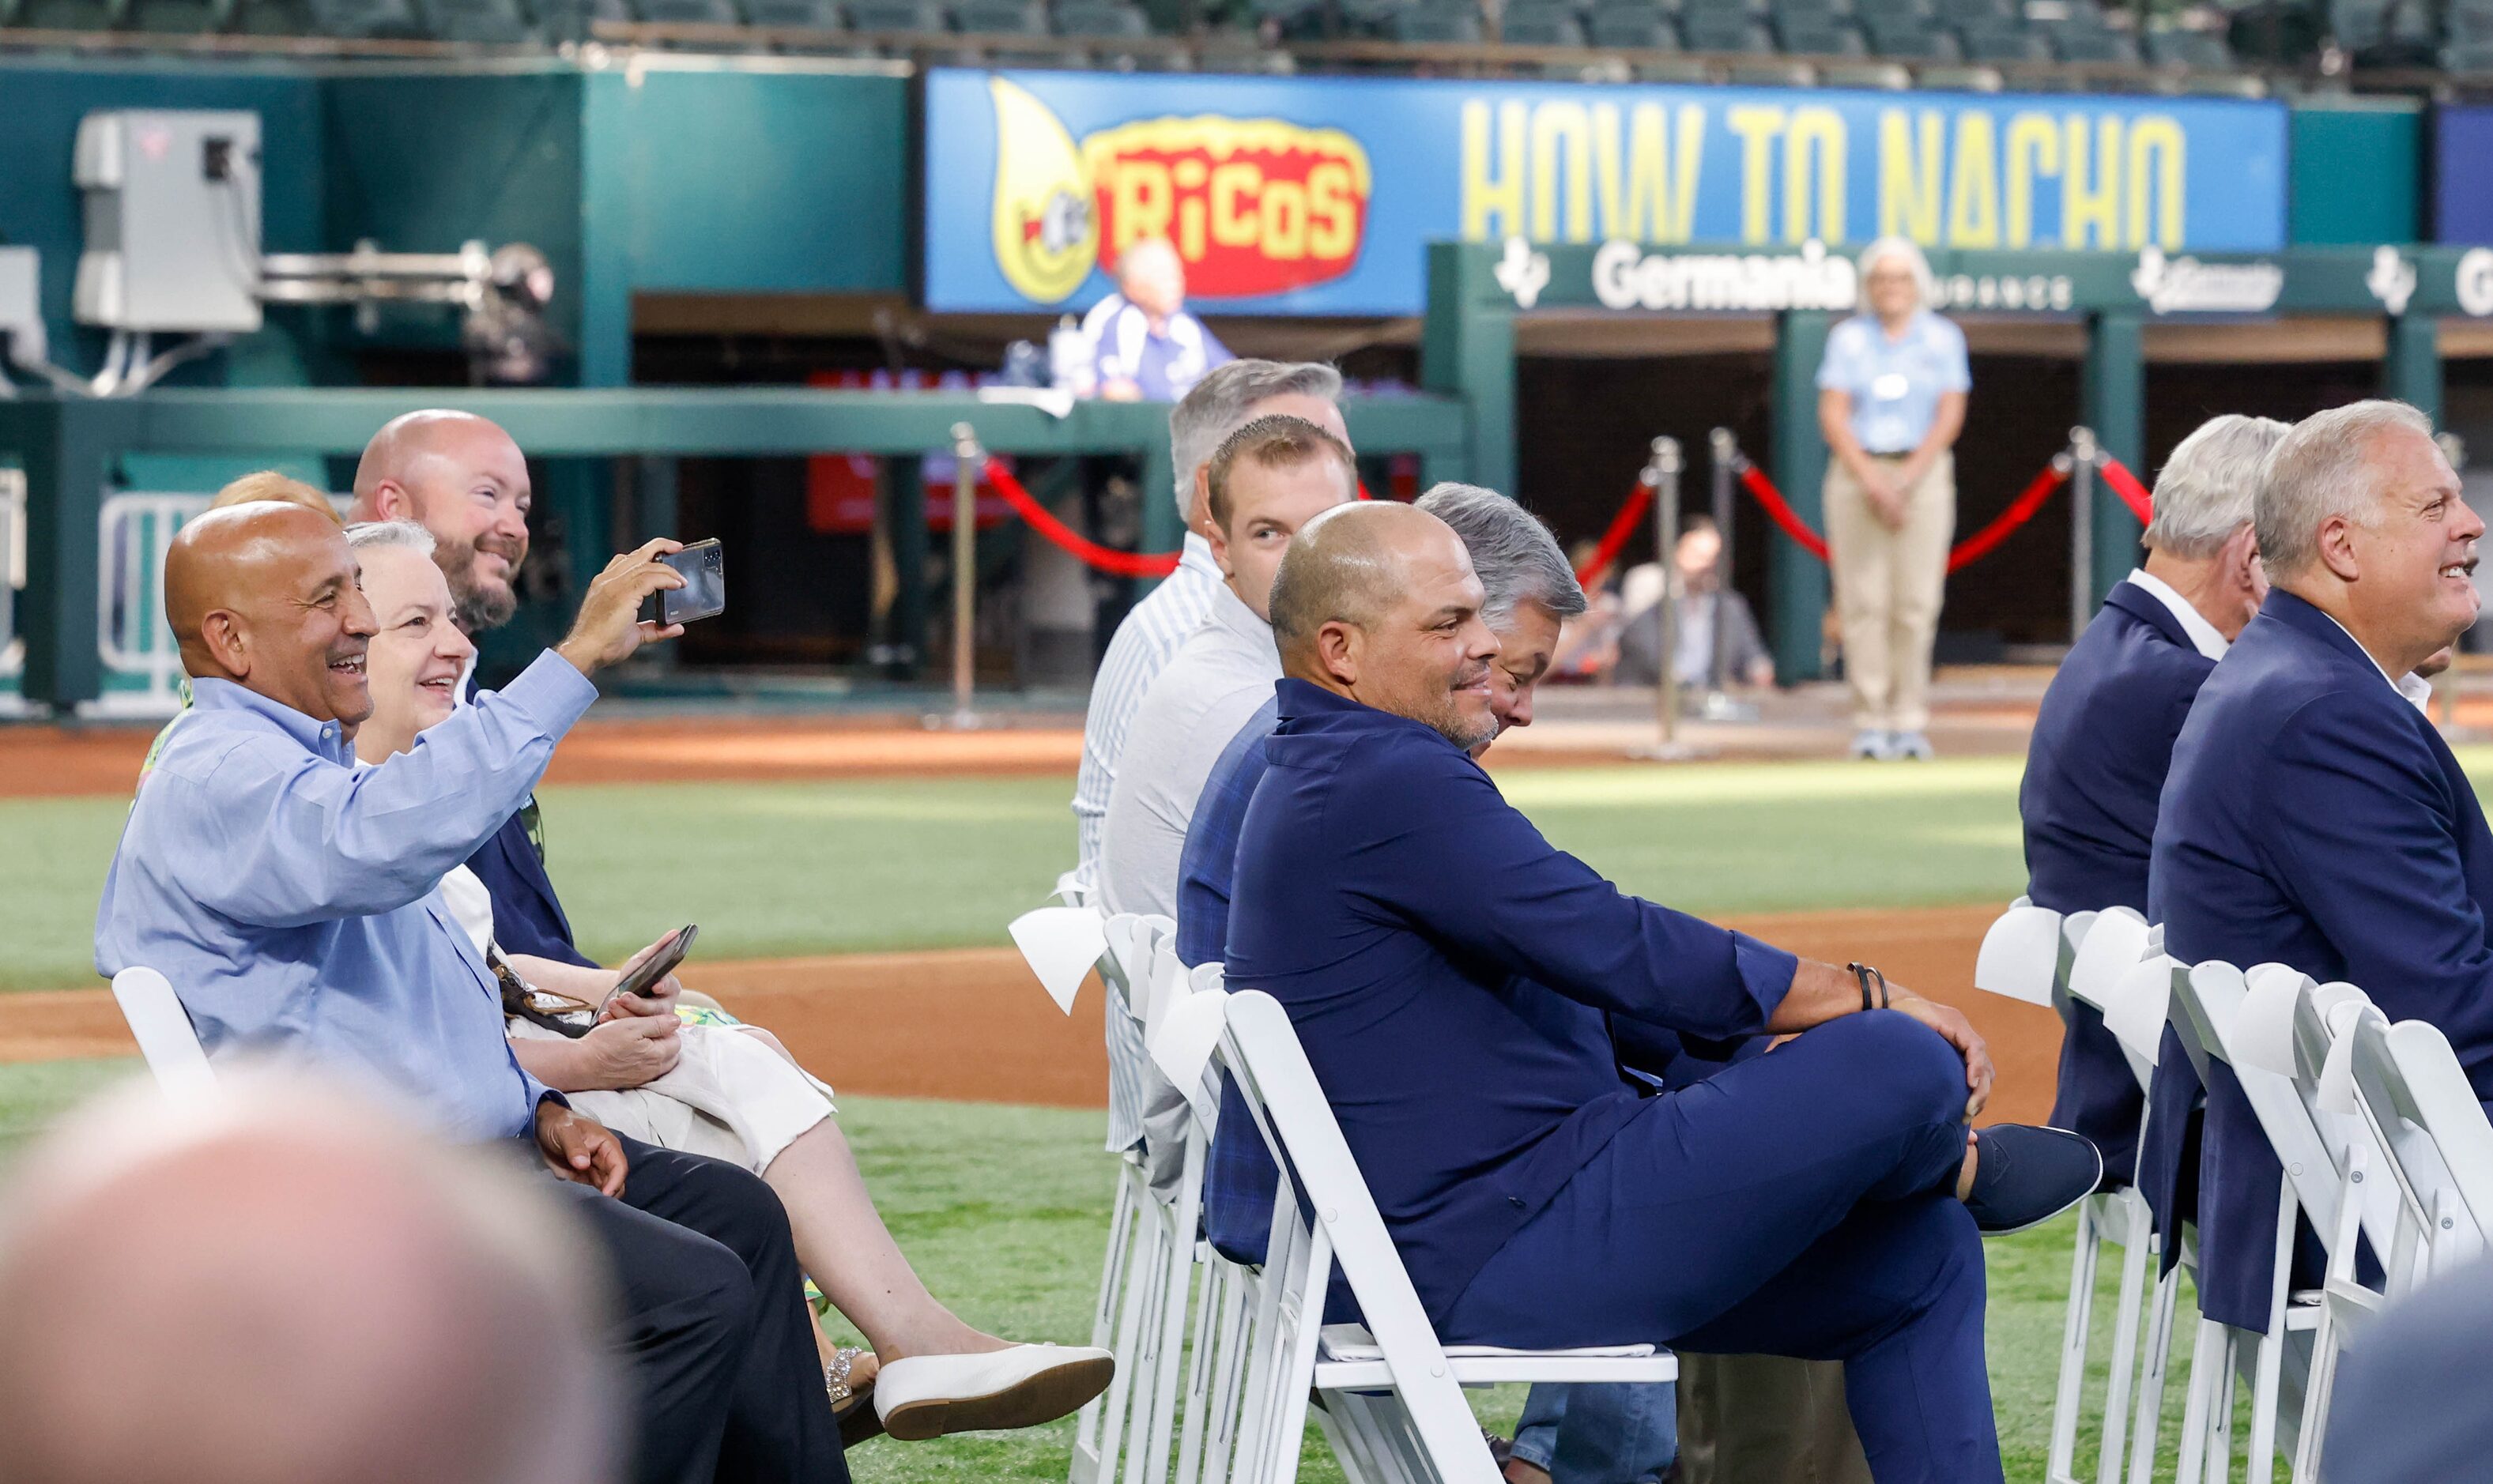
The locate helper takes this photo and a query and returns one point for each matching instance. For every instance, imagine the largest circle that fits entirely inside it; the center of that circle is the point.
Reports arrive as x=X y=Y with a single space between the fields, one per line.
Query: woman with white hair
x=1891 y=402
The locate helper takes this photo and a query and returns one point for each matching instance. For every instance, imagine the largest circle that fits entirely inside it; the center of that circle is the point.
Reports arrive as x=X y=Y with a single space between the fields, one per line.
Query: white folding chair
x=163 y=1032
x=1062 y=945
x=1392 y=1395
x=1126 y=1434
x=2415 y=1098
x=2024 y=954
x=2134 y=1012
x=2208 y=1002
x=2098 y=949
x=2278 y=1046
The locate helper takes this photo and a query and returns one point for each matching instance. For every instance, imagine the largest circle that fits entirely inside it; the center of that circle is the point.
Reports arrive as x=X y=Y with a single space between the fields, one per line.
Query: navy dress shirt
x=1447 y=970
x=2314 y=817
x=294 y=900
x=2095 y=771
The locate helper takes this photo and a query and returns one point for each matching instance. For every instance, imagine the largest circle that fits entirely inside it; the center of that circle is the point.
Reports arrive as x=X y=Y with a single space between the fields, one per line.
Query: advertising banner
x=2462 y=147
x=1299 y=195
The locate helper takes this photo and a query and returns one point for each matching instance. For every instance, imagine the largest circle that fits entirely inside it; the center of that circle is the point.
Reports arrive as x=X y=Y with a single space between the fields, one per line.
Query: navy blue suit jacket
x=527 y=916
x=2315 y=819
x=1445 y=968
x=2095 y=771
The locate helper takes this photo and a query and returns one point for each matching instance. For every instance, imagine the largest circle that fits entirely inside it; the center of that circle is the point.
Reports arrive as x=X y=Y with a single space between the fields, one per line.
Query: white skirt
x=731 y=1096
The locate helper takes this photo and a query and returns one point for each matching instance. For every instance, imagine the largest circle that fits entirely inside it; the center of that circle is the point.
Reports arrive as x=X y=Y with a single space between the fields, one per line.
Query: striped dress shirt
x=1143 y=646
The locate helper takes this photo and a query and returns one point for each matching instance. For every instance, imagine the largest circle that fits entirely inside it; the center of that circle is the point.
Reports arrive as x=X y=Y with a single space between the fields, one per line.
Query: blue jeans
x=1600 y=1433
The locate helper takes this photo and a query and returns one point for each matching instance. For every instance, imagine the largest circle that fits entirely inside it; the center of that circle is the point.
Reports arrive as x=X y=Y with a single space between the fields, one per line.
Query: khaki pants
x=1888 y=585
x=1762 y=1419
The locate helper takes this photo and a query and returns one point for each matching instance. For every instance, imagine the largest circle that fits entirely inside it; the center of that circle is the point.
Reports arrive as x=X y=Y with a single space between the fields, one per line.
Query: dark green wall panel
x=2356 y=174
x=759 y=181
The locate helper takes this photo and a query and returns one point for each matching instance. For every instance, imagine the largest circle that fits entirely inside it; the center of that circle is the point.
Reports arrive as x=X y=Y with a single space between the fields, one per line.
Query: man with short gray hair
x=2314 y=817
x=1227 y=400
x=2103 y=738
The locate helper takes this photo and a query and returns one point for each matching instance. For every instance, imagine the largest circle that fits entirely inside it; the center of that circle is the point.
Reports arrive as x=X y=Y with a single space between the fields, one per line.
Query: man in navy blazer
x=2104 y=736
x=1448 y=972
x=2313 y=816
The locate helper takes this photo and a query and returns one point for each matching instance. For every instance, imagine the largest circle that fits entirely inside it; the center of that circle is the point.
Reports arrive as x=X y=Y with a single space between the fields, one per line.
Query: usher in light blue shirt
x=1895 y=384
x=295 y=901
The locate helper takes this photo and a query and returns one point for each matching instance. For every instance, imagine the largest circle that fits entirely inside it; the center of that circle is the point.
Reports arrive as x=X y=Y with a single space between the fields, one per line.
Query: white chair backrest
x=1188 y=1031
x=1071 y=892
x=163 y=1032
x=2135 y=1010
x=2022 y=954
x=2259 y=1044
x=2415 y=1098
x=1270 y=1069
x=1062 y=945
x=2114 y=944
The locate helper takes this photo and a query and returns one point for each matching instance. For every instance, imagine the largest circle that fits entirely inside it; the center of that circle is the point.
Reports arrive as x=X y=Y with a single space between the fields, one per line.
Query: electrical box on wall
x=172 y=220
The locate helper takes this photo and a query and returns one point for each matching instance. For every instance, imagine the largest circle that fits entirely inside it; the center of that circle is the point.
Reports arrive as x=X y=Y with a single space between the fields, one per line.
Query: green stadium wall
x=2356 y=173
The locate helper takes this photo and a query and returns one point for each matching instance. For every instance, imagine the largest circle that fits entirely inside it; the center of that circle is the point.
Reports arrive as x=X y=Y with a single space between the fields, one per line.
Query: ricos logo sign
x=1254 y=206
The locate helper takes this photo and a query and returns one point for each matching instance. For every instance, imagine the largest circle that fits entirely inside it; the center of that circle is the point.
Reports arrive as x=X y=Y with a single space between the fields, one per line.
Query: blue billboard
x=1303 y=195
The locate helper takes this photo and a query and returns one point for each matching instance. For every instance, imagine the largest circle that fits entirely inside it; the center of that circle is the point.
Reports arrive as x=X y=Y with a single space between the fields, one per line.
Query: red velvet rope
x=1979 y=545
x=1623 y=527
x=2125 y=485
x=1781 y=514
x=1973 y=549
x=1108 y=559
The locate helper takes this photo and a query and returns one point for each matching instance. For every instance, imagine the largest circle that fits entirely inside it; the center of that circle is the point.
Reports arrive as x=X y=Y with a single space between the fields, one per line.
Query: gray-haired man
x=2104 y=736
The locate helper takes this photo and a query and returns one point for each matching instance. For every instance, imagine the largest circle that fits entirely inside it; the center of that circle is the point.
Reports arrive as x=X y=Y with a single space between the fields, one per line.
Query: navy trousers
x=2098 y=1094
x=1799 y=1204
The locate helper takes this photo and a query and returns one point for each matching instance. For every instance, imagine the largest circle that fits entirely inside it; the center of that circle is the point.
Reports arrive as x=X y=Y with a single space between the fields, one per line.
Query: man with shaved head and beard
x=1451 y=976
x=462 y=478
x=295 y=901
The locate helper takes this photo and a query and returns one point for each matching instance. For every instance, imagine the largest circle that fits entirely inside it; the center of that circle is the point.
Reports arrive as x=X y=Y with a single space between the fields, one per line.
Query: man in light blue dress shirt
x=294 y=902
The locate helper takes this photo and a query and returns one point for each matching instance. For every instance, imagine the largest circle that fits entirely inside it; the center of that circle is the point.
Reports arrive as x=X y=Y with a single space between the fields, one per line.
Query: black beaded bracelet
x=1866 y=974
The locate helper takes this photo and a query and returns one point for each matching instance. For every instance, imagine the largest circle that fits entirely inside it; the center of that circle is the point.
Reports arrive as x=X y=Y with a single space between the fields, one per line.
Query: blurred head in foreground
x=270 y=485
x=277 y=1285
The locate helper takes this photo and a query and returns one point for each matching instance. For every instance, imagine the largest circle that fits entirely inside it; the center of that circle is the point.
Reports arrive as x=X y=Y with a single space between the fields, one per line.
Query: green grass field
x=1005 y=1209
x=780 y=869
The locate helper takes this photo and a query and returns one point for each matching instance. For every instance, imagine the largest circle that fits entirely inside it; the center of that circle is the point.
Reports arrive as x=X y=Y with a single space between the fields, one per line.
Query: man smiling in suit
x=2313 y=816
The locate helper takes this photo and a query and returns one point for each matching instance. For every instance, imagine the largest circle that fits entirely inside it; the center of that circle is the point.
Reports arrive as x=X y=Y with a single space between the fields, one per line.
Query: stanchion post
x=2084 y=456
x=1661 y=473
x=966 y=459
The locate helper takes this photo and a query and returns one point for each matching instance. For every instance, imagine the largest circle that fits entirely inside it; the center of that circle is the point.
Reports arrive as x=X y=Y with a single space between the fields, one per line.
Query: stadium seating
x=795 y=14
x=1820 y=36
x=688 y=13
x=1542 y=25
x=1101 y=18
x=1632 y=26
x=367 y=19
x=1724 y=30
x=2197 y=49
x=1432 y=24
x=2384 y=33
x=2001 y=41
x=1000 y=18
x=484 y=21
x=173 y=17
x=1911 y=38
x=66 y=15
x=896 y=15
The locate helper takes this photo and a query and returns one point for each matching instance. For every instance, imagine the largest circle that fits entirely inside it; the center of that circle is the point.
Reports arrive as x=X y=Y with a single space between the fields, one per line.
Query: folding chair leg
x=2207 y=1362
x=2061 y=1467
x=2220 y=1426
x=1167 y=1356
x=2148 y=1426
x=2259 y=1459
x=1092 y=1430
x=2134 y=1254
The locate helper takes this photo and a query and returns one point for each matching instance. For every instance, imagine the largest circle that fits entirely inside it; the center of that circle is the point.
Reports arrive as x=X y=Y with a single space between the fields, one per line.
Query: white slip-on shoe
x=919 y=1397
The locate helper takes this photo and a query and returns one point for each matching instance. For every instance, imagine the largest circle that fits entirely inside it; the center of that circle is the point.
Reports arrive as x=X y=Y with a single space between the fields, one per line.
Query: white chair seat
x=1353 y=1342
x=1351 y=1360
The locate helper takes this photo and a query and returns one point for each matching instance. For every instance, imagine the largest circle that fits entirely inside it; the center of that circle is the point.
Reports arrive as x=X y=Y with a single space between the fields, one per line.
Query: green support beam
x=67 y=448
x=1467 y=351
x=1797 y=583
x=2114 y=398
x=2411 y=371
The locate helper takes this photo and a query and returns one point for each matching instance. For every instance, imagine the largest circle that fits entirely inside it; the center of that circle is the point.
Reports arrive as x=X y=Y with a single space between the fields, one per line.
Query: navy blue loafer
x=2025 y=1175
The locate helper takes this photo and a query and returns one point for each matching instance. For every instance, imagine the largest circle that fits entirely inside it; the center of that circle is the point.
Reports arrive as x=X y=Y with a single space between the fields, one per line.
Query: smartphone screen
x=704 y=595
